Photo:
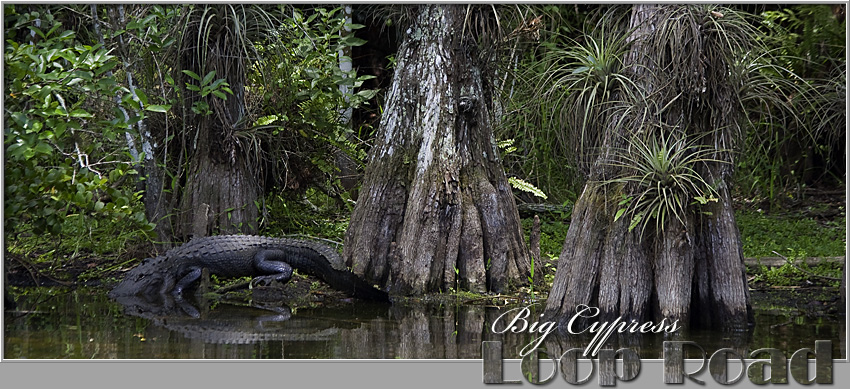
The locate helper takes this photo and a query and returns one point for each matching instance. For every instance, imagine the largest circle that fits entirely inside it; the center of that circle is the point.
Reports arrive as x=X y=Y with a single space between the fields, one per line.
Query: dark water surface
x=85 y=324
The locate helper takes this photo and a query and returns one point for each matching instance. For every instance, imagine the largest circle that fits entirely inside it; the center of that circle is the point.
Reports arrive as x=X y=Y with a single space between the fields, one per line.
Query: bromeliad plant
x=661 y=173
x=585 y=79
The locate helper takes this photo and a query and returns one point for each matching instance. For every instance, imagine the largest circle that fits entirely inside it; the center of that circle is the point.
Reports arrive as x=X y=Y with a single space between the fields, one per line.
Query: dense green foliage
x=792 y=235
x=305 y=95
x=72 y=144
x=792 y=86
x=87 y=89
x=781 y=157
x=63 y=136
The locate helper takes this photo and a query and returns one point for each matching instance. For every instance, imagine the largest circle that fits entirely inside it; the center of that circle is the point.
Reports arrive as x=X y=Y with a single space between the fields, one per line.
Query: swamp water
x=52 y=323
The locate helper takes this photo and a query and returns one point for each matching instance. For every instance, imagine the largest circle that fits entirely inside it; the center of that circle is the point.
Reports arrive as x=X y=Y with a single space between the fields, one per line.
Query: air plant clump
x=662 y=179
x=584 y=81
x=687 y=122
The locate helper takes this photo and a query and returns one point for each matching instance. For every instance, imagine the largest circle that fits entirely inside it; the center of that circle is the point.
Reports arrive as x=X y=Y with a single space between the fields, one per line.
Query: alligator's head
x=149 y=278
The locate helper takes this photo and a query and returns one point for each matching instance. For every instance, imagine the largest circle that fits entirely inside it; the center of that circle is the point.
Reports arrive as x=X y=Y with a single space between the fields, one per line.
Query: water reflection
x=84 y=323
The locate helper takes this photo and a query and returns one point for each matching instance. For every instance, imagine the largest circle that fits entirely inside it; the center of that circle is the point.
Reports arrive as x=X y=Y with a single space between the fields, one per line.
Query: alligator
x=261 y=257
x=228 y=323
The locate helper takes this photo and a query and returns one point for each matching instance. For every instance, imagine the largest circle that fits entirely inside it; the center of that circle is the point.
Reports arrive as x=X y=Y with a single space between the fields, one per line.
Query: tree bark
x=435 y=211
x=221 y=191
x=689 y=269
x=222 y=172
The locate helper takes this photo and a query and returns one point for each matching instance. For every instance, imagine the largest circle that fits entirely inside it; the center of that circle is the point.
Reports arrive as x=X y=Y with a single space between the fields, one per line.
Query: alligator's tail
x=350 y=283
x=315 y=263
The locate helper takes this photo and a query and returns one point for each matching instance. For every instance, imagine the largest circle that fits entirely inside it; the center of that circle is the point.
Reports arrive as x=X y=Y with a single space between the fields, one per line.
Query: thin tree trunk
x=131 y=142
x=435 y=204
x=347 y=166
x=155 y=207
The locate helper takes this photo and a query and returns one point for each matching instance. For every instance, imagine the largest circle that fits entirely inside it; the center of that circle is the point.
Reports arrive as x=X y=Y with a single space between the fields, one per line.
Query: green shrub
x=58 y=120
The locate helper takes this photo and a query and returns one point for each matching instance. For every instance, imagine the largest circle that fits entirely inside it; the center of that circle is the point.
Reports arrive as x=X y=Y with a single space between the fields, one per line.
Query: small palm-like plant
x=661 y=174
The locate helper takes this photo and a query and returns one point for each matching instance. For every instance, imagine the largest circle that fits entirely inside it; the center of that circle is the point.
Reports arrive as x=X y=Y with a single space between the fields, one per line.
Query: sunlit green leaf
x=158 y=108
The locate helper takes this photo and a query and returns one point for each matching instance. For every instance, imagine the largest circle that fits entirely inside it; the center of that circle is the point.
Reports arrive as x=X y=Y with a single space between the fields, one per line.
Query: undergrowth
x=762 y=234
x=89 y=249
x=95 y=247
x=314 y=214
x=552 y=234
x=823 y=274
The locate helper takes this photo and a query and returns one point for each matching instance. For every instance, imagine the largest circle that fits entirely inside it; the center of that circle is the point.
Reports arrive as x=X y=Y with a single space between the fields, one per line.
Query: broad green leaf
x=158 y=108
x=80 y=113
x=367 y=94
x=15 y=150
x=619 y=214
x=73 y=81
x=142 y=96
x=43 y=148
x=105 y=68
x=351 y=40
x=132 y=103
x=217 y=83
x=208 y=78
x=192 y=74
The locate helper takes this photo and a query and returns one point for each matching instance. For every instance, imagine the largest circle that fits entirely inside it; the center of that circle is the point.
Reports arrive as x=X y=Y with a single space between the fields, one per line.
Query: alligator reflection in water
x=361 y=331
x=227 y=323
x=84 y=323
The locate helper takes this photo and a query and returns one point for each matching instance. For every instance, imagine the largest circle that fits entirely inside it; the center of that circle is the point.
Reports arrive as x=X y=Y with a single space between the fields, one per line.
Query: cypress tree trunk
x=222 y=188
x=688 y=268
x=222 y=185
x=435 y=210
x=220 y=193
